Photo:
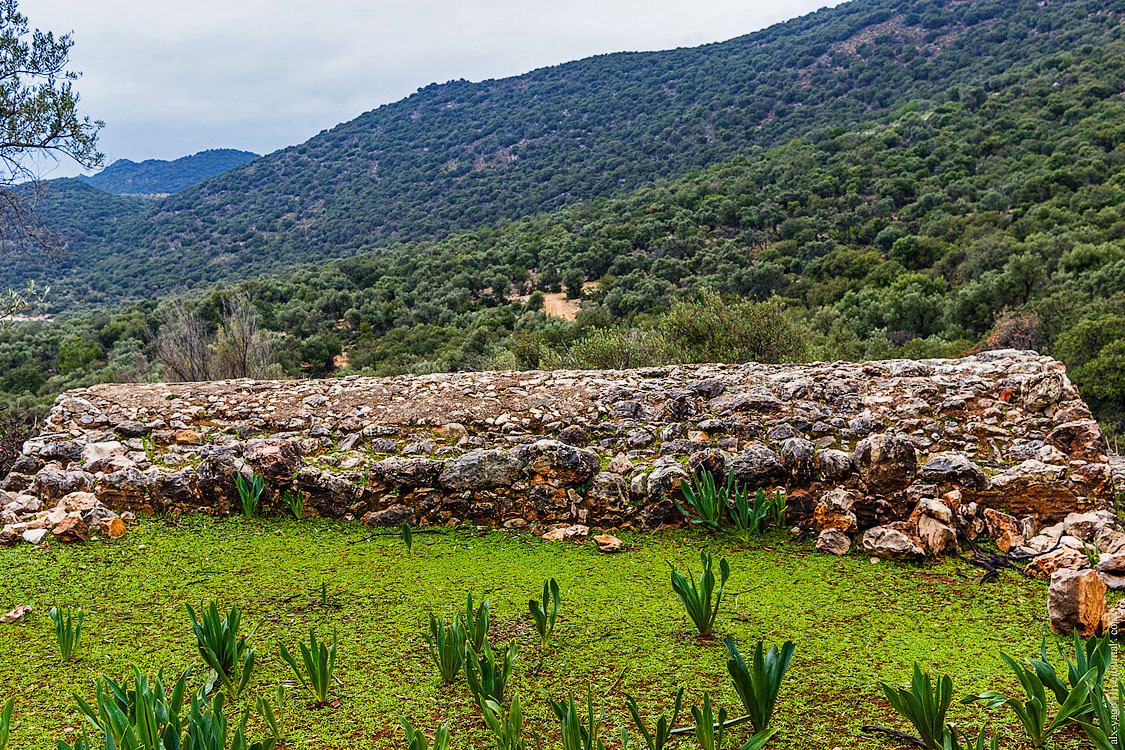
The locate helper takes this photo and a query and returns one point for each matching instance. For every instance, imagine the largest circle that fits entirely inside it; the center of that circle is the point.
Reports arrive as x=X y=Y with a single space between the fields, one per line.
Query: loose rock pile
x=900 y=458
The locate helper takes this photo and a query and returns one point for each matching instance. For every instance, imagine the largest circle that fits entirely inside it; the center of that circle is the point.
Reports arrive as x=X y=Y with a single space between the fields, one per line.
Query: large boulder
x=480 y=470
x=665 y=479
x=890 y=543
x=798 y=457
x=63 y=451
x=278 y=459
x=395 y=515
x=609 y=493
x=1079 y=439
x=71 y=529
x=557 y=463
x=329 y=495
x=1042 y=391
x=105 y=456
x=756 y=466
x=1076 y=602
x=886 y=463
x=53 y=483
x=834 y=511
x=1032 y=488
x=835 y=465
x=409 y=473
x=953 y=468
x=833 y=542
x=1044 y=566
x=127 y=489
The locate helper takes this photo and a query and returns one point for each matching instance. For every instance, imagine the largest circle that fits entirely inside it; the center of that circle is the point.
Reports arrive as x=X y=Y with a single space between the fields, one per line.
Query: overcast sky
x=171 y=79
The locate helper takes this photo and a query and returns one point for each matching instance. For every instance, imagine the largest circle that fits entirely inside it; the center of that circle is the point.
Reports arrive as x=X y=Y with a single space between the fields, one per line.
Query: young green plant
x=319 y=662
x=1031 y=710
x=658 y=737
x=447 y=647
x=295 y=502
x=476 y=622
x=6 y=723
x=702 y=600
x=229 y=655
x=544 y=613
x=759 y=683
x=271 y=718
x=487 y=673
x=924 y=705
x=68 y=630
x=250 y=493
x=576 y=733
x=708 y=499
x=415 y=740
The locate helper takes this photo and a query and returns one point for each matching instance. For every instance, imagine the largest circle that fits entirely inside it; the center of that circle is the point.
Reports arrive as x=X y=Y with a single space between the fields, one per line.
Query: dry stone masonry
x=901 y=458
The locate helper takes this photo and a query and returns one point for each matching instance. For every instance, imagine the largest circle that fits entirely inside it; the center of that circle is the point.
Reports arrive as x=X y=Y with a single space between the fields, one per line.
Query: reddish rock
x=609 y=544
x=72 y=530
x=1081 y=439
x=1045 y=565
x=112 y=527
x=188 y=437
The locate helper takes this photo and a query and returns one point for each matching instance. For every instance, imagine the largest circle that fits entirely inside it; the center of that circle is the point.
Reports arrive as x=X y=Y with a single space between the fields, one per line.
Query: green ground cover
x=621 y=629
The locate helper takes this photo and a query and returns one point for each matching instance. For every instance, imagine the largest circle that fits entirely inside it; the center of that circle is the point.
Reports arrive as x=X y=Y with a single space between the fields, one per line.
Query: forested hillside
x=464 y=155
x=162 y=177
x=990 y=216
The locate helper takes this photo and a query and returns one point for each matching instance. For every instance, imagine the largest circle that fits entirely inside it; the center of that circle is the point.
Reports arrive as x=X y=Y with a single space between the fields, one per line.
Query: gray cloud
x=171 y=79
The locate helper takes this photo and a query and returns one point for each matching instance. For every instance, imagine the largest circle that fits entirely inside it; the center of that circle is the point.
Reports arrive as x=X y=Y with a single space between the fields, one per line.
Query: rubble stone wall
x=854 y=445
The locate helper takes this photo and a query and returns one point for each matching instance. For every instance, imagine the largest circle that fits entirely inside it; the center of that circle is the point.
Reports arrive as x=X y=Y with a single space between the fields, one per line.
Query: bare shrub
x=238 y=348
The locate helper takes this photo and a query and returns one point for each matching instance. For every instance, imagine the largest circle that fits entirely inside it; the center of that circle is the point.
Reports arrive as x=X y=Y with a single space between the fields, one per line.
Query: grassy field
x=621 y=629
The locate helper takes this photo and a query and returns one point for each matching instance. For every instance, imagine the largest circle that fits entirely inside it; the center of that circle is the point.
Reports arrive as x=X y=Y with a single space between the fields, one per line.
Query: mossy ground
x=621 y=628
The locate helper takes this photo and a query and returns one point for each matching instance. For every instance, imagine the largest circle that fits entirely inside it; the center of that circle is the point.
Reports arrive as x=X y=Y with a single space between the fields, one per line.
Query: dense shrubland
x=460 y=156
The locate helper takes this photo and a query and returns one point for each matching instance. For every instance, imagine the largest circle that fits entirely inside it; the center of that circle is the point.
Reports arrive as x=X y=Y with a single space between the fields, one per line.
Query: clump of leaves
x=754 y=517
x=6 y=723
x=415 y=740
x=658 y=737
x=702 y=600
x=546 y=612
x=1031 y=709
x=506 y=728
x=708 y=499
x=207 y=728
x=319 y=662
x=140 y=714
x=708 y=733
x=295 y=502
x=924 y=705
x=250 y=493
x=579 y=733
x=1093 y=654
x=950 y=741
x=1106 y=733
x=487 y=673
x=447 y=647
x=476 y=622
x=759 y=683
x=271 y=718
x=229 y=655
x=68 y=630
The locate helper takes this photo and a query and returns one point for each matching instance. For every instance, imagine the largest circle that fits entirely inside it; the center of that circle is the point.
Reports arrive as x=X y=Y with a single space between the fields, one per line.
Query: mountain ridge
x=159 y=177
x=460 y=155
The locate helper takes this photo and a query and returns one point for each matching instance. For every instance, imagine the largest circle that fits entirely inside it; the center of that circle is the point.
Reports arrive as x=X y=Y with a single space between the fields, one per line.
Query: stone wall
x=853 y=445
